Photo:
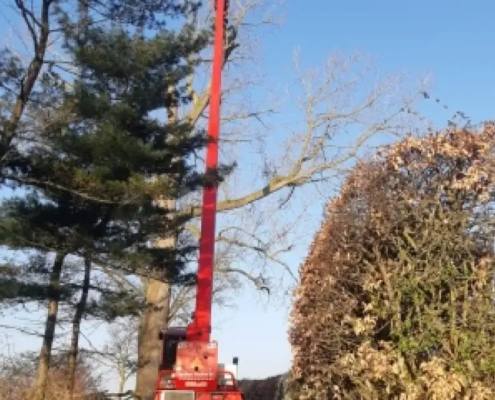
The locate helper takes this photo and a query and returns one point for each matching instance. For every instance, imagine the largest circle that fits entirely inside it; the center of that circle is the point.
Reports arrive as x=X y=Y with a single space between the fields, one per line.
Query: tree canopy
x=97 y=166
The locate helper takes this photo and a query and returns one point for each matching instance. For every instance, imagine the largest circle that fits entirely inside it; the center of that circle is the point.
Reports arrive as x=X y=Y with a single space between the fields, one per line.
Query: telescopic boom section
x=200 y=329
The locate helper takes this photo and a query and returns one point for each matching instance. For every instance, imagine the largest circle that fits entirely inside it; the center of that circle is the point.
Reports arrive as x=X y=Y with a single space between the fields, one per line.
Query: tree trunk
x=158 y=295
x=152 y=322
x=76 y=327
x=81 y=306
x=122 y=378
x=50 y=324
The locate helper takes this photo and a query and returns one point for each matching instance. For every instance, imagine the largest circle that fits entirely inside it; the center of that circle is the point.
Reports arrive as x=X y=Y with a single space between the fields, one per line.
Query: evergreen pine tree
x=102 y=160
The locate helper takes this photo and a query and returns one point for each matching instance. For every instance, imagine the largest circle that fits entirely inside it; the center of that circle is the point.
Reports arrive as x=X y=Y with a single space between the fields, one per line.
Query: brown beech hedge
x=396 y=296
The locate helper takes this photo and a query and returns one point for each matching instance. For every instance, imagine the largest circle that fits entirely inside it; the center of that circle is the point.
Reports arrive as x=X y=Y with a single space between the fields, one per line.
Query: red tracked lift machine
x=190 y=369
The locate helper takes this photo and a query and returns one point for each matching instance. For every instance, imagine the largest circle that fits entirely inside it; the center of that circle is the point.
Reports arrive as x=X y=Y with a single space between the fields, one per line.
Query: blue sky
x=452 y=40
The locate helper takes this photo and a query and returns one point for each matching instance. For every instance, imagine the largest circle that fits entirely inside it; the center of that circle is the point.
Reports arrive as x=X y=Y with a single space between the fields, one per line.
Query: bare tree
x=18 y=83
x=119 y=355
x=336 y=114
x=18 y=371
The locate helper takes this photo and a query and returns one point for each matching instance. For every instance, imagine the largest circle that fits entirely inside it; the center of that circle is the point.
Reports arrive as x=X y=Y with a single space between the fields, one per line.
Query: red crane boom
x=190 y=369
x=200 y=329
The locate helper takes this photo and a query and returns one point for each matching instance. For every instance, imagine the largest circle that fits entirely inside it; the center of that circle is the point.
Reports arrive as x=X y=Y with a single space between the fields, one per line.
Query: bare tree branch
x=33 y=71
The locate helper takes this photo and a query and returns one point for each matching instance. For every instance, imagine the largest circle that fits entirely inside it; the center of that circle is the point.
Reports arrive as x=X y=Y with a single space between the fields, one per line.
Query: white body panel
x=177 y=395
